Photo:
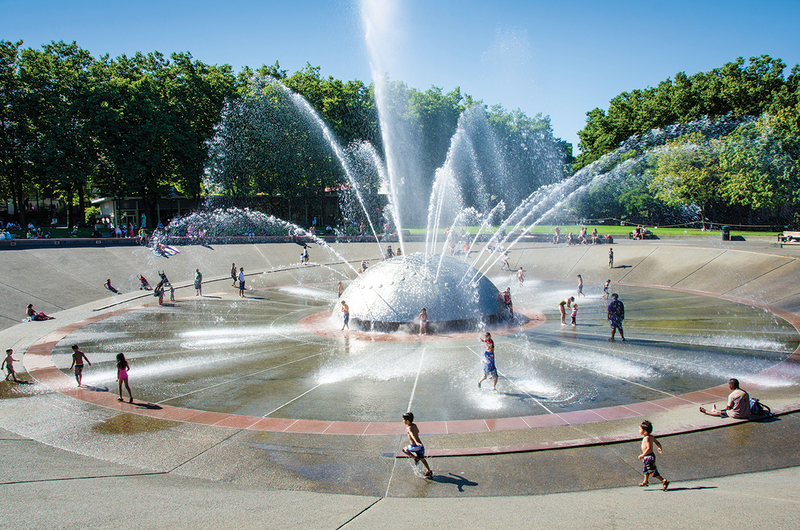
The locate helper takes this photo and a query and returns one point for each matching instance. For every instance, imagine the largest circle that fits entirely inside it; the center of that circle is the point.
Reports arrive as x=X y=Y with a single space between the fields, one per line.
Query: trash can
x=726 y=233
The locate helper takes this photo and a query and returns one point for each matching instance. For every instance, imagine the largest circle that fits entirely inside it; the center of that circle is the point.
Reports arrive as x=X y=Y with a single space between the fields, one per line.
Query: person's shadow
x=150 y=406
x=95 y=388
x=683 y=488
x=452 y=478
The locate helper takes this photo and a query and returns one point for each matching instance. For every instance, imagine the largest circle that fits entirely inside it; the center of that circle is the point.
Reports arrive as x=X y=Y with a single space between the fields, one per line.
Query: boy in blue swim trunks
x=345 y=315
x=415 y=449
x=489 y=368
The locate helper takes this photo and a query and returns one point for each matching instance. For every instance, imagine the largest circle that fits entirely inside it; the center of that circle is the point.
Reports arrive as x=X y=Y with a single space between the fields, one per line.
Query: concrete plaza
x=79 y=458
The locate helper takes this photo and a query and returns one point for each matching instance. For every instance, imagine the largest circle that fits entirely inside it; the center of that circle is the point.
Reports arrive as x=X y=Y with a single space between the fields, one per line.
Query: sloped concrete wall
x=60 y=278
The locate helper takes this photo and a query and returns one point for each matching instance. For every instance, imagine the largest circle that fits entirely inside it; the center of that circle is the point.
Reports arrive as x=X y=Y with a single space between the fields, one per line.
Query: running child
x=489 y=368
x=122 y=376
x=648 y=458
x=606 y=287
x=504 y=265
x=415 y=449
x=8 y=364
x=345 y=315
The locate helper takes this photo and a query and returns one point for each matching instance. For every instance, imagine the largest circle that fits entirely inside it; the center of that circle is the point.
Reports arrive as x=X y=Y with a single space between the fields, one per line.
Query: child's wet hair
x=409 y=416
x=647 y=426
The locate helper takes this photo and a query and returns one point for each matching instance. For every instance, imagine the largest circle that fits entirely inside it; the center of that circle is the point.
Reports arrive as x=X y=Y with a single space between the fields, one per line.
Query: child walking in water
x=122 y=376
x=574 y=314
x=423 y=322
x=647 y=457
x=415 y=449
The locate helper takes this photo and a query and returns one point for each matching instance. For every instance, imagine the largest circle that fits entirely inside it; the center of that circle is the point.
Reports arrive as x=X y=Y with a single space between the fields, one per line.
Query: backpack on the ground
x=759 y=409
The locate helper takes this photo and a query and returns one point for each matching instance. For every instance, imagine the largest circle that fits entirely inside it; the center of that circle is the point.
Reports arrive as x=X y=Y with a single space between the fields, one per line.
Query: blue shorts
x=346 y=318
x=616 y=323
x=416 y=450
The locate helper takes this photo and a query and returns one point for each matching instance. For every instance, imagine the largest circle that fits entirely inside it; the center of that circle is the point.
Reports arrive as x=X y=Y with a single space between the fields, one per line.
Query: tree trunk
x=81 y=205
x=70 y=213
x=18 y=200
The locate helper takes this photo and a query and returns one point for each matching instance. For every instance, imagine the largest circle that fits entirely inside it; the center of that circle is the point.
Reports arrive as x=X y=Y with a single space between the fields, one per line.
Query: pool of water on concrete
x=248 y=356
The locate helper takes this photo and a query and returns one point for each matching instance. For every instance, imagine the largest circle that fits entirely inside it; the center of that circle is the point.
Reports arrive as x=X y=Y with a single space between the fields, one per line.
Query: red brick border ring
x=39 y=364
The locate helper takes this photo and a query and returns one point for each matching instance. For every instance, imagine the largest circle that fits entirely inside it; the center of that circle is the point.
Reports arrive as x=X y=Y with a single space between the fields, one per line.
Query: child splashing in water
x=122 y=376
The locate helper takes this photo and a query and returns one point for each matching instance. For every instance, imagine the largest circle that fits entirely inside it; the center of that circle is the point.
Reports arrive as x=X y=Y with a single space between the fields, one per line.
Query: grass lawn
x=616 y=230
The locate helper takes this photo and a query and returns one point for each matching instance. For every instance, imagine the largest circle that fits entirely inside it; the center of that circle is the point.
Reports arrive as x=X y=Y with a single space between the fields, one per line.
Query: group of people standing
x=238 y=279
x=615 y=311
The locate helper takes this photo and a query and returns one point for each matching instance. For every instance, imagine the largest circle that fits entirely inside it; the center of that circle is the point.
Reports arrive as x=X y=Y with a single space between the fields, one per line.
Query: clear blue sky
x=560 y=59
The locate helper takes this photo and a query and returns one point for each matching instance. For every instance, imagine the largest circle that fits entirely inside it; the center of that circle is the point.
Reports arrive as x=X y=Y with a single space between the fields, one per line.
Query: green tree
x=757 y=169
x=268 y=144
x=152 y=119
x=197 y=94
x=736 y=89
x=687 y=173
x=17 y=132
x=64 y=153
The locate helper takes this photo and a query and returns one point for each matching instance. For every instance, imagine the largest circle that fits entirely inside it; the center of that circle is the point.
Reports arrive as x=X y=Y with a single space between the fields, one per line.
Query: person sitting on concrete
x=738 y=403
x=36 y=315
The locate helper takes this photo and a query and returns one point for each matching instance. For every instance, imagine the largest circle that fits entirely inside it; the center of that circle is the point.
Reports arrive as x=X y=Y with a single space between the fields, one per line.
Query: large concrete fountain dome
x=393 y=292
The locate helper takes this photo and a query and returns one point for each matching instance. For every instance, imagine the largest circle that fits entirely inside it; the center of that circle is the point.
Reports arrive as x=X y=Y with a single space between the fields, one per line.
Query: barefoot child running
x=647 y=457
x=415 y=449
x=489 y=368
x=122 y=376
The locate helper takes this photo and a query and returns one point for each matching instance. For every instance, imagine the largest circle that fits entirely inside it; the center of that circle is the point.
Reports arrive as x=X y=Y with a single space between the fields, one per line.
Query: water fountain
x=270 y=366
x=392 y=293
